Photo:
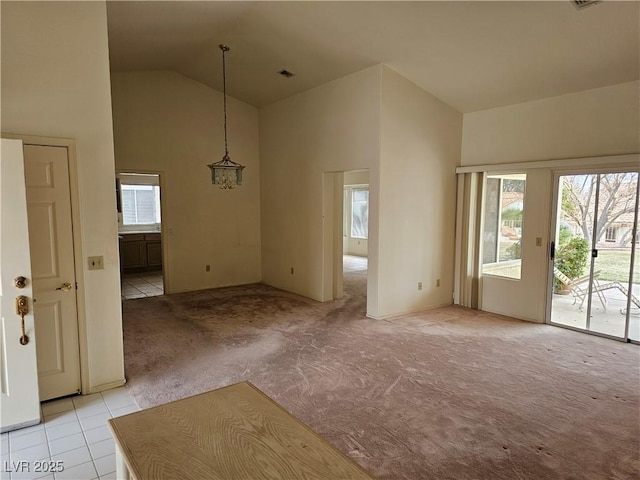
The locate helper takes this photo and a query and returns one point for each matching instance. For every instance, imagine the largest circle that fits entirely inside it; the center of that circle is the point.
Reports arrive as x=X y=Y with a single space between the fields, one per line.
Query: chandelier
x=225 y=173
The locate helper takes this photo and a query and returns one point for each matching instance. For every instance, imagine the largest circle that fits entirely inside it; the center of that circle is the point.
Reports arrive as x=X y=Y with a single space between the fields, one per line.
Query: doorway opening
x=355 y=231
x=595 y=280
x=140 y=234
x=345 y=232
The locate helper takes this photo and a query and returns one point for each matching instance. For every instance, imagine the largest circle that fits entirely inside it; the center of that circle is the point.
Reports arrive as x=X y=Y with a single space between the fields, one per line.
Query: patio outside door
x=596 y=270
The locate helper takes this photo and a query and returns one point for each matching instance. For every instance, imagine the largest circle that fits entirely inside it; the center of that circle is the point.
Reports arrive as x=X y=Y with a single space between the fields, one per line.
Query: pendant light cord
x=225 y=173
x=224 y=95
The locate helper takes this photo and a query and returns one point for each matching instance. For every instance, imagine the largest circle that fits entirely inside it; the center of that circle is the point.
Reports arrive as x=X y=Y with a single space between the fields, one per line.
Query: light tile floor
x=74 y=433
x=140 y=285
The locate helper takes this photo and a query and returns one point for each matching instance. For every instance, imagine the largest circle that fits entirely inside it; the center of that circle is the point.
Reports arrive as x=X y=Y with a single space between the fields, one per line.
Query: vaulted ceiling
x=472 y=55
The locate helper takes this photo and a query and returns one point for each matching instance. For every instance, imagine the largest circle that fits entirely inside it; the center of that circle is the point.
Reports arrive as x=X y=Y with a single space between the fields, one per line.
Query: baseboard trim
x=409 y=312
x=508 y=315
x=105 y=386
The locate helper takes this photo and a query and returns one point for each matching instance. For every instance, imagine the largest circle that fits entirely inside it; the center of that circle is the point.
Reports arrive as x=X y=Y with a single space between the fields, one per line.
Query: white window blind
x=140 y=204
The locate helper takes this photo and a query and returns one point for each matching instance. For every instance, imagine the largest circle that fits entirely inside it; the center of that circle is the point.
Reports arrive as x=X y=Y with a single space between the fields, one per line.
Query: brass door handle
x=22 y=309
x=65 y=287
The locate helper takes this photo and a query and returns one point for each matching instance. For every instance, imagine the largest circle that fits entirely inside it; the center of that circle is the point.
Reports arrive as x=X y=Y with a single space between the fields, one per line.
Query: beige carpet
x=447 y=394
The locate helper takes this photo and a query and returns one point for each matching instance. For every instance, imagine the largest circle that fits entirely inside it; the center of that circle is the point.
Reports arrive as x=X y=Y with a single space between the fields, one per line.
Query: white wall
x=166 y=122
x=55 y=83
x=603 y=121
x=332 y=128
x=410 y=142
x=420 y=149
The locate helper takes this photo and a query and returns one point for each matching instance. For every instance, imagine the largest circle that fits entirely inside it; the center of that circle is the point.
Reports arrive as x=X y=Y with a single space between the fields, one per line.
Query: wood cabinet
x=140 y=252
x=154 y=254
x=132 y=252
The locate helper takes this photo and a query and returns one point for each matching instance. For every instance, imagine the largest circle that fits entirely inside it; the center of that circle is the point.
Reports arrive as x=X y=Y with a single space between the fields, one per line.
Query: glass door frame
x=555 y=206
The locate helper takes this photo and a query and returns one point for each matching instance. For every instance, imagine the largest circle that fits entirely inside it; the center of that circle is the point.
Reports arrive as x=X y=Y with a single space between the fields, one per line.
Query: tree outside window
x=616 y=205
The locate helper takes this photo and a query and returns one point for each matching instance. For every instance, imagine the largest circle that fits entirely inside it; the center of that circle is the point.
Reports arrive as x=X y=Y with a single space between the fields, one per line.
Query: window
x=138 y=197
x=611 y=234
x=140 y=204
x=503 y=221
x=360 y=213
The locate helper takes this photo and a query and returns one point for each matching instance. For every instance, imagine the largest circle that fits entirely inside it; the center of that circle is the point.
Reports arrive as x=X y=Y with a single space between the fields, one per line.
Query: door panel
x=608 y=297
x=19 y=405
x=54 y=283
x=132 y=255
x=594 y=250
x=154 y=254
x=44 y=258
x=50 y=326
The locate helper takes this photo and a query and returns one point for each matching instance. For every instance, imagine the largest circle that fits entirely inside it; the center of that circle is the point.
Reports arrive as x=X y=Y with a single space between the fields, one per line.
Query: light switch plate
x=96 y=263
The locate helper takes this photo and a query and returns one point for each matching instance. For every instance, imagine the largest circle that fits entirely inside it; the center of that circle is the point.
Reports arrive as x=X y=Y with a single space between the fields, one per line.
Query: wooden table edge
x=134 y=471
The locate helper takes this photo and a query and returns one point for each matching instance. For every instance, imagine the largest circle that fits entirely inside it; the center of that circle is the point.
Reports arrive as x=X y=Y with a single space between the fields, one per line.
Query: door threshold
x=597 y=334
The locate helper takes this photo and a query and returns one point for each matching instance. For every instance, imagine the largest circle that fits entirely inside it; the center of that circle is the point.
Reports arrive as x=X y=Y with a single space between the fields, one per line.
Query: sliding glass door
x=596 y=271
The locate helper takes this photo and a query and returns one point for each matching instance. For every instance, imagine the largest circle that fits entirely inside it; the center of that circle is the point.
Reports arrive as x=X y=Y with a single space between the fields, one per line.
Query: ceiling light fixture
x=286 y=73
x=225 y=173
x=580 y=4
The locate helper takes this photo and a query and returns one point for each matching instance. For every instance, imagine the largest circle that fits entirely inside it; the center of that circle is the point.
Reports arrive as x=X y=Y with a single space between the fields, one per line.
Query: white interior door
x=20 y=404
x=53 y=267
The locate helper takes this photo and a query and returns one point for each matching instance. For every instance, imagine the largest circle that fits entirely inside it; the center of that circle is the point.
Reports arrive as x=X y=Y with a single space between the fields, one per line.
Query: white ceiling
x=472 y=55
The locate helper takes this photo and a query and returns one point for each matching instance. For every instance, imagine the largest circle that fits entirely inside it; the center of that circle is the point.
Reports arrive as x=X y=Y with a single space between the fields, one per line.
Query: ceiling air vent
x=286 y=73
x=580 y=4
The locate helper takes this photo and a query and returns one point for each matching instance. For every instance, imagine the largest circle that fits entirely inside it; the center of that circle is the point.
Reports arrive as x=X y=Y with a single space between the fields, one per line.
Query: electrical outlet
x=538 y=241
x=96 y=263
x=437 y=282
x=207 y=268
x=419 y=285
